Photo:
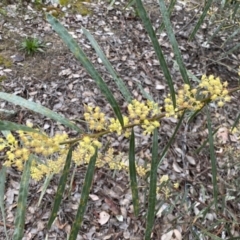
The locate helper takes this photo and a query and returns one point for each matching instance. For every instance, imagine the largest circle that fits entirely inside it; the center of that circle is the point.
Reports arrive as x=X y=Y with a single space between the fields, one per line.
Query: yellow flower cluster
x=95 y=118
x=39 y=143
x=50 y=166
x=15 y=156
x=166 y=186
x=185 y=99
x=190 y=99
x=119 y=162
x=81 y=155
x=213 y=88
x=31 y=143
x=138 y=112
x=149 y=126
x=115 y=126
x=85 y=150
x=49 y=154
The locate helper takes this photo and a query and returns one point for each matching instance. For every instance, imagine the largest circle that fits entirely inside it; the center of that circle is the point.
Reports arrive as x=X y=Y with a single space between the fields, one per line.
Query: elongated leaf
x=3 y=175
x=39 y=109
x=200 y=20
x=213 y=159
x=153 y=187
x=22 y=201
x=165 y=150
x=61 y=188
x=129 y=4
x=82 y=58
x=121 y=85
x=84 y=197
x=6 y=125
x=133 y=174
x=190 y=75
x=144 y=93
x=234 y=49
x=235 y=9
x=44 y=188
x=148 y=26
x=173 y=41
x=199 y=149
x=231 y=37
x=212 y=236
x=236 y=122
x=210 y=38
x=170 y=9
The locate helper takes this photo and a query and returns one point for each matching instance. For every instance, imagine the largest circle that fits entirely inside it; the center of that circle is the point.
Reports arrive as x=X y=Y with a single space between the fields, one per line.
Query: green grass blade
x=82 y=58
x=133 y=175
x=6 y=125
x=235 y=9
x=164 y=152
x=190 y=75
x=170 y=10
x=231 y=37
x=119 y=82
x=234 y=49
x=61 y=188
x=148 y=26
x=44 y=189
x=199 y=149
x=3 y=174
x=212 y=236
x=144 y=93
x=22 y=201
x=39 y=109
x=173 y=41
x=153 y=187
x=84 y=197
x=216 y=32
x=213 y=159
x=236 y=122
x=129 y=4
x=200 y=20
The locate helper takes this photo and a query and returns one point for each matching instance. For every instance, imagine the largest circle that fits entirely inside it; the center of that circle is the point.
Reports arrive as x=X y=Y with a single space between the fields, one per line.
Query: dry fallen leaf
x=222 y=134
x=103 y=217
x=191 y=160
x=113 y=207
x=176 y=167
x=94 y=197
x=172 y=235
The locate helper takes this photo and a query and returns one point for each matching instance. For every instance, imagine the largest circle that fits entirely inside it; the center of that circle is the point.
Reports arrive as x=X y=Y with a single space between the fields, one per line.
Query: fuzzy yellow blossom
x=115 y=126
x=155 y=110
x=176 y=185
x=14 y=157
x=85 y=150
x=39 y=170
x=141 y=171
x=164 y=179
x=95 y=118
x=186 y=98
x=149 y=126
x=215 y=89
x=166 y=192
x=34 y=143
x=169 y=108
x=138 y=110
